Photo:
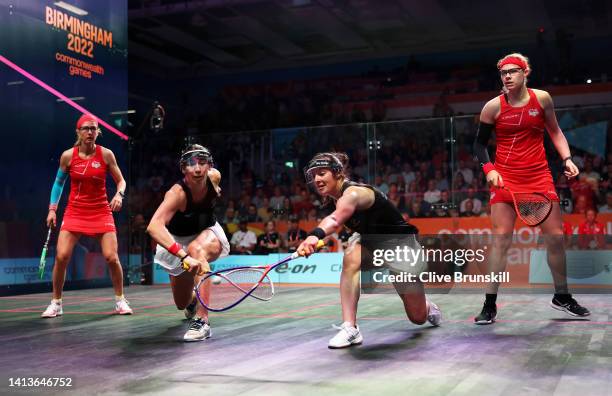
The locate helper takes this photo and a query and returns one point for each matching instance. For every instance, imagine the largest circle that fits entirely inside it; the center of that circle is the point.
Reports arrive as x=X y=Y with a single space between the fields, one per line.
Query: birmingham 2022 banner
x=57 y=58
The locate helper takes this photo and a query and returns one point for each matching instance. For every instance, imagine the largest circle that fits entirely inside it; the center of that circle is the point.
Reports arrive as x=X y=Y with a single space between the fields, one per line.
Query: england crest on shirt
x=533 y=112
x=96 y=164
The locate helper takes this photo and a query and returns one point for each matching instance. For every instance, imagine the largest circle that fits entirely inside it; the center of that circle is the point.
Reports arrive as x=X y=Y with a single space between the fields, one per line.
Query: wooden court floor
x=280 y=347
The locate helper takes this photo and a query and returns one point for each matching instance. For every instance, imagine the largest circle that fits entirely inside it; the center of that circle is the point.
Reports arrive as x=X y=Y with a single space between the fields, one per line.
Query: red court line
x=308 y=308
x=333 y=317
x=154 y=306
x=63 y=304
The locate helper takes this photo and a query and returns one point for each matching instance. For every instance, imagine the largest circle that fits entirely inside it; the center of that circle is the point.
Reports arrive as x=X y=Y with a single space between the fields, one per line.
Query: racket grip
x=320 y=244
x=41 y=265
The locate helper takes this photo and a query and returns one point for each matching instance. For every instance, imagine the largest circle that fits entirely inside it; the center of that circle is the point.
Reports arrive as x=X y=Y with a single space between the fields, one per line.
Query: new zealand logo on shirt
x=96 y=164
x=533 y=112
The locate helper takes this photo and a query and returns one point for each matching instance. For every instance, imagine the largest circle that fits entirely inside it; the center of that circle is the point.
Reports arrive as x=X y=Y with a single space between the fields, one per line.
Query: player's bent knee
x=62 y=259
x=112 y=259
x=211 y=249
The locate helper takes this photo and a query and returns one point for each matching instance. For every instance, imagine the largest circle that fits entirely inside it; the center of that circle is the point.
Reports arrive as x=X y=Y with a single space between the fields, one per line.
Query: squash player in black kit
x=188 y=235
x=365 y=210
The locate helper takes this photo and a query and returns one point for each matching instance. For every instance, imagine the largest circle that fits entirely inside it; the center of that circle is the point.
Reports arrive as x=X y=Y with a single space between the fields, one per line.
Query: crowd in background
x=420 y=174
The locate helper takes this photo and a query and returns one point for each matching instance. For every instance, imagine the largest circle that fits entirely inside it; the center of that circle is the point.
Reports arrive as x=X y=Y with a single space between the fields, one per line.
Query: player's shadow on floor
x=171 y=336
x=561 y=320
x=380 y=351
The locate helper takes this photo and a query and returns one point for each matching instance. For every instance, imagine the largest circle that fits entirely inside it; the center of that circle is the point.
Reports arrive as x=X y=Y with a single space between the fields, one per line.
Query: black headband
x=200 y=153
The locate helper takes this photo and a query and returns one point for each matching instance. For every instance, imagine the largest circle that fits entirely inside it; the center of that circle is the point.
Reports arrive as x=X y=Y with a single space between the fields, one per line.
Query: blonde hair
x=516 y=55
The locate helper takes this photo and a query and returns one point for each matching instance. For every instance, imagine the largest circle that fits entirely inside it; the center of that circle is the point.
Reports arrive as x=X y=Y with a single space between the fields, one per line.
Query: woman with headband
x=187 y=233
x=365 y=210
x=519 y=117
x=88 y=211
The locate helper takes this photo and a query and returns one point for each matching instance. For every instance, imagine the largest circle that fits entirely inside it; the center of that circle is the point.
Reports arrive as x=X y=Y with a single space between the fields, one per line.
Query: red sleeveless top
x=88 y=180
x=520 y=157
x=88 y=211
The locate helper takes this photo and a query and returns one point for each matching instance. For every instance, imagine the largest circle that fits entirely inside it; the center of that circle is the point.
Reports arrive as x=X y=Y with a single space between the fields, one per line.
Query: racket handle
x=320 y=244
x=41 y=265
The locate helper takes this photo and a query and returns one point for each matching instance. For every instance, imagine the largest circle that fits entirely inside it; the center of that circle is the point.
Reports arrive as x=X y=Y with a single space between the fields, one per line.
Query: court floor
x=280 y=347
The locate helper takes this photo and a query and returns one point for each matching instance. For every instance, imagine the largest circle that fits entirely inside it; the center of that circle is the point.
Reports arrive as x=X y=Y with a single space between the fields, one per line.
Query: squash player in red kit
x=88 y=211
x=519 y=117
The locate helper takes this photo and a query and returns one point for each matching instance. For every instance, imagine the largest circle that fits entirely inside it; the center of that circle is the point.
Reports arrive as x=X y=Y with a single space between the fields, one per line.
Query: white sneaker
x=190 y=310
x=122 y=307
x=198 y=330
x=347 y=336
x=54 y=309
x=434 y=316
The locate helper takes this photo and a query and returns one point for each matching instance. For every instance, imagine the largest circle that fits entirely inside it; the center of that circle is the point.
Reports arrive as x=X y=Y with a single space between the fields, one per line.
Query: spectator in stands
x=381 y=184
x=303 y=206
x=416 y=210
x=476 y=203
x=591 y=232
x=443 y=206
x=276 y=202
x=297 y=194
x=588 y=172
x=581 y=205
x=568 y=234
x=269 y=241
x=466 y=171
x=441 y=181
x=252 y=216
x=432 y=195
x=459 y=187
x=231 y=217
x=295 y=235
x=468 y=208
x=244 y=240
x=243 y=204
x=407 y=173
x=582 y=188
x=395 y=197
x=607 y=208
x=259 y=197
x=264 y=211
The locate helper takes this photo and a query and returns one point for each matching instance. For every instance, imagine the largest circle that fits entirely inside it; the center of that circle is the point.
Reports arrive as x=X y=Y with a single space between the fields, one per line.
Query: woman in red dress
x=88 y=211
x=519 y=117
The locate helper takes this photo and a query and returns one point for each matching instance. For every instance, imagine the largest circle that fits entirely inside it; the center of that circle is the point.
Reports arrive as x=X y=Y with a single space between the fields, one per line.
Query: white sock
x=119 y=298
x=56 y=301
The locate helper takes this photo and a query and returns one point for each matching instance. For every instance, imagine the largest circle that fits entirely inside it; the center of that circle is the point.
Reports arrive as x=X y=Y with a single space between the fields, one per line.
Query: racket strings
x=235 y=284
x=533 y=208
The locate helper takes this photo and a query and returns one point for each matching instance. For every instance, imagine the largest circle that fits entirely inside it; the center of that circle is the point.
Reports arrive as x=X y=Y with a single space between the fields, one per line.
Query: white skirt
x=172 y=264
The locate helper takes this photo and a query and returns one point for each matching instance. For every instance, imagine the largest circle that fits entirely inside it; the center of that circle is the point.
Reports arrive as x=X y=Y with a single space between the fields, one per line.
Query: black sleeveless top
x=380 y=218
x=197 y=216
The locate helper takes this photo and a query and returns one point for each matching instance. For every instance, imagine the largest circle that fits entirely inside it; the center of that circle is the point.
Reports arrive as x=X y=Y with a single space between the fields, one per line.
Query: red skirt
x=537 y=182
x=88 y=221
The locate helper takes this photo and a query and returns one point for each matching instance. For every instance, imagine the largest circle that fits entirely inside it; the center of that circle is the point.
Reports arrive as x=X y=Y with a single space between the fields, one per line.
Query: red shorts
x=88 y=221
x=541 y=183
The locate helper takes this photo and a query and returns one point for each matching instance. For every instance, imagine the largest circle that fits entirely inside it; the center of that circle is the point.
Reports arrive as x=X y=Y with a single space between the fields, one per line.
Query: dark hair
x=341 y=158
